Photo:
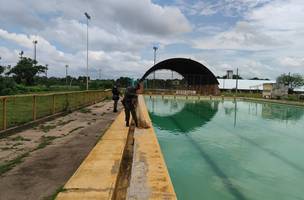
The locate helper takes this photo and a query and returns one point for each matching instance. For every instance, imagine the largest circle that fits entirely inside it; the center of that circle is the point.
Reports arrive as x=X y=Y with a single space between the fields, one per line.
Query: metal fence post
x=4 y=113
x=88 y=98
x=34 y=108
x=67 y=101
x=54 y=105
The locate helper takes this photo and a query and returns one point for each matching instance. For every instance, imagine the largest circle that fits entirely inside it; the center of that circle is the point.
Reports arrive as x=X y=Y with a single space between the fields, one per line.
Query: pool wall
x=150 y=177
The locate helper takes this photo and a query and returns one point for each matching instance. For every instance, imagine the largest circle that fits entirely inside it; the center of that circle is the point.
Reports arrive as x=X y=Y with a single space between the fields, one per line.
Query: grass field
x=24 y=108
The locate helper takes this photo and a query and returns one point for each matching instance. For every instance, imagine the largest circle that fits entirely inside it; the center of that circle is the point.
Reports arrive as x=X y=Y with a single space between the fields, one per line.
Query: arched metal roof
x=189 y=69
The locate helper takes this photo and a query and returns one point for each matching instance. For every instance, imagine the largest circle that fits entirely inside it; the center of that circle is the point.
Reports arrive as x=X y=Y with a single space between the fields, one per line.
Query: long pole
x=35 y=43
x=66 y=74
x=155 y=49
x=237 y=79
x=47 y=67
x=87 y=53
x=88 y=17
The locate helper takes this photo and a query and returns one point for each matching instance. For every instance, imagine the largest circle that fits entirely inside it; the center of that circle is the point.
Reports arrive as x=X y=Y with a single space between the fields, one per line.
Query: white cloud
x=244 y=36
x=225 y=7
x=292 y=62
x=119 y=31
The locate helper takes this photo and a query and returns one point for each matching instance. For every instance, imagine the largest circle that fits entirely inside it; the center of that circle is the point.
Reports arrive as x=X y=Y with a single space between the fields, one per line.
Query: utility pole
x=66 y=74
x=35 y=44
x=46 y=69
x=21 y=54
x=99 y=74
x=237 y=78
x=155 y=49
x=88 y=18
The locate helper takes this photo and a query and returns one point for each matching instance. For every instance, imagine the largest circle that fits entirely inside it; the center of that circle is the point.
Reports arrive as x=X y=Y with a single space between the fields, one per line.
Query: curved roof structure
x=189 y=69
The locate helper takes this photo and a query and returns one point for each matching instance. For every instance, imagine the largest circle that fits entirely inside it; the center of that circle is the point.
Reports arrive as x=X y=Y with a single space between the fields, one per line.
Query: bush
x=7 y=86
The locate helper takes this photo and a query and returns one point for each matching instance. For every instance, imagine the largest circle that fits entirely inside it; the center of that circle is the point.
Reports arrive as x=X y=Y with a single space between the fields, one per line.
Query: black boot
x=127 y=124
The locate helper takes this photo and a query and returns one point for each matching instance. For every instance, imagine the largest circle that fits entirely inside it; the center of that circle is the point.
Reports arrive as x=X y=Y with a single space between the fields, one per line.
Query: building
x=274 y=90
x=198 y=78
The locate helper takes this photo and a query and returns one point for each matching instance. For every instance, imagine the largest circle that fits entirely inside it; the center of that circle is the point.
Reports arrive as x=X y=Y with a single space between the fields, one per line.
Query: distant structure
x=199 y=79
x=274 y=90
x=229 y=74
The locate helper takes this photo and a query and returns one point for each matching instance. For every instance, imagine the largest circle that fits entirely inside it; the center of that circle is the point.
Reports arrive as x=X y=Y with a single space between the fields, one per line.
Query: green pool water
x=222 y=150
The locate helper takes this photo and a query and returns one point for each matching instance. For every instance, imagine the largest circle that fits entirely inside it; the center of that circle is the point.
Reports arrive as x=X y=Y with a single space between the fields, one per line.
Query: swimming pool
x=231 y=149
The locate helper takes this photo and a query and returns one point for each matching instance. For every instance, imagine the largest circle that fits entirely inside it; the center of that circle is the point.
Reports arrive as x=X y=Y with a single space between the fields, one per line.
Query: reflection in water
x=194 y=113
x=164 y=107
x=280 y=112
x=267 y=111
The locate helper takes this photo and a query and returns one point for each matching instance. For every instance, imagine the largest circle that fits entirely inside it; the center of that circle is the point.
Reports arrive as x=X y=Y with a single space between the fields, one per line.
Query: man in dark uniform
x=130 y=102
x=115 y=97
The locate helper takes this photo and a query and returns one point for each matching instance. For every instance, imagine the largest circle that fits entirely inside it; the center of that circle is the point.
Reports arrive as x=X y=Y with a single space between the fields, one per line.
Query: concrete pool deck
x=98 y=175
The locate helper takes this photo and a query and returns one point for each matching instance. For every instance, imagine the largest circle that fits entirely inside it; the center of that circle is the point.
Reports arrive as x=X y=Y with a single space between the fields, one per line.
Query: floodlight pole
x=21 y=54
x=35 y=44
x=155 y=49
x=88 y=17
x=66 y=74
x=237 y=79
x=46 y=70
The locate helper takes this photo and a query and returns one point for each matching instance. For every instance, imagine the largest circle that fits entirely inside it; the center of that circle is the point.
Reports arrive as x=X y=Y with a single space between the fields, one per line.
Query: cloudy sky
x=262 y=38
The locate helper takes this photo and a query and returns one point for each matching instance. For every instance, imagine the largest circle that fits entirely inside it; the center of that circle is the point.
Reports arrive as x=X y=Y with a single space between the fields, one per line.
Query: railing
x=20 y=109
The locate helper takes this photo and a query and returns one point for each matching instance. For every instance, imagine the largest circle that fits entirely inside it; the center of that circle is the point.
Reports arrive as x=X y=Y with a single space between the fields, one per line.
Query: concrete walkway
x=96 y=177
x=49 y=167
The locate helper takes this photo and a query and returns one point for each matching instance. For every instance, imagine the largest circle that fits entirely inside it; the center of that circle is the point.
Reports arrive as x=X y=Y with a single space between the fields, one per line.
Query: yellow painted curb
x=97 y=175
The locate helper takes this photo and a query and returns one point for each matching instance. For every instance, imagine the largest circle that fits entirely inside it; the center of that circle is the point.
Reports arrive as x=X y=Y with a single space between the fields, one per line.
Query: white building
x=247 y=85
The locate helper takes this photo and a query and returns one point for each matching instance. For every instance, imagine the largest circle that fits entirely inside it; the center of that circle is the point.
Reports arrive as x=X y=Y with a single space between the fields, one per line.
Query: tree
x=1 y=69
x=25 y=71
x=257 y=78
x=234 y=76
x=292 y=81
x=124 y=81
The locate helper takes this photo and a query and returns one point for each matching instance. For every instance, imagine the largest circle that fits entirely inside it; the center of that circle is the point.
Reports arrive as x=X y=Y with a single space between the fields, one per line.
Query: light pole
x=237 y=79
x=155 y=49
x=35 y=44
x=88 y=18
x=46 y=69
x=21 y=54
x=66 y=74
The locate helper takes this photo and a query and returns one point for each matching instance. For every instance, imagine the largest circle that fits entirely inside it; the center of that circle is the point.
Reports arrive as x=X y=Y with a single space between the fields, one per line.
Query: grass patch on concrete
x=85 y=110
x=12 y=163
x=17 y=144
x=46 y=128
x=62 y=123
x=20 y=138
x=5 y=148
x=75 y=129
x=45 y=141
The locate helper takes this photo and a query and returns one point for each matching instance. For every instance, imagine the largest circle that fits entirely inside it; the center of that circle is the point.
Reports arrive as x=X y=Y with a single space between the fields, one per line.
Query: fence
x=19 y=109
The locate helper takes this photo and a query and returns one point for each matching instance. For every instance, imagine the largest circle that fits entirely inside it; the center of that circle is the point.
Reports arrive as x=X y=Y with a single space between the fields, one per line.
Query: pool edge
x=150 y=178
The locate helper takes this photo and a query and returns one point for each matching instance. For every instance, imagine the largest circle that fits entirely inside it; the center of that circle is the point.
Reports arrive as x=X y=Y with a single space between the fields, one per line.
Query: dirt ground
x=37 y=162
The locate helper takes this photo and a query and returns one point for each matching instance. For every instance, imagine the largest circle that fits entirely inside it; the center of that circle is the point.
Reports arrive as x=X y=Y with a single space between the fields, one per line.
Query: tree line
x=28 y=76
